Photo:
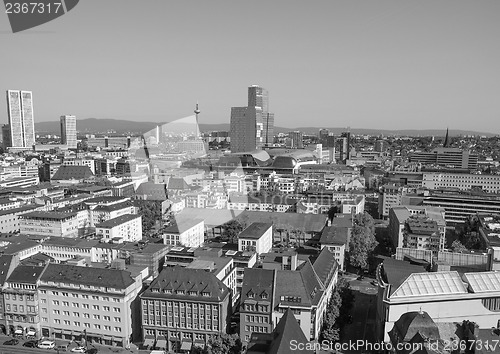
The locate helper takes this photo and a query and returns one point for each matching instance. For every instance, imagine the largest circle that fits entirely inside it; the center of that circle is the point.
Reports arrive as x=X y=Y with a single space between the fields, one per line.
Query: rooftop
x=436 y=283
x=108 y=224
x=255 y=230
x=45 y=215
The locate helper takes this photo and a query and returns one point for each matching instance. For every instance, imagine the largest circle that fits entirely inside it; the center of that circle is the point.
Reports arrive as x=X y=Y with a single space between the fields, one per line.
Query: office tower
x=323 y=135
x=380 y=146
x=68 y=131
x=21 y=120
x=330 y=144
x=253 y=126
x=295 y=140
x=344 y=146
x=6 y=143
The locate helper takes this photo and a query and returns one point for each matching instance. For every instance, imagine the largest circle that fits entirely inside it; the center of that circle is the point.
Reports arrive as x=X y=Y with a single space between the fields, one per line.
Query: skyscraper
x=21 y=120
x=253 y=126
x=68 y=131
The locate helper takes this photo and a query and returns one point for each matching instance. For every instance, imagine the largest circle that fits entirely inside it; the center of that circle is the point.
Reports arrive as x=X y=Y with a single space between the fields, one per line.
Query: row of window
x=15 y=308
x=85 y=324
x=19 y=297
x=93 y=297
x=256 y=319
x=85 y=306
x=188 y=325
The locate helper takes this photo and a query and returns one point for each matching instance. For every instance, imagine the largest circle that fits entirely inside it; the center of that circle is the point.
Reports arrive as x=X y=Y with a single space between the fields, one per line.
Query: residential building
x=49 y=223
x=256 y=302
x=96 y=304
x=125 y=228
x=418 y=227
x=68 y=131
x=21 y=301
x=183 y=307
x=256 y=237
x=185 y=232
x=336 y=240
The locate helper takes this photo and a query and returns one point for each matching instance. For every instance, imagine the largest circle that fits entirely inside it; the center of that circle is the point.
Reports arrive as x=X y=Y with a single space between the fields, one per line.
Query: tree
x=231 y=230
x=362 y=242
x=457 y=246
x=337 y=311
x=223 y=343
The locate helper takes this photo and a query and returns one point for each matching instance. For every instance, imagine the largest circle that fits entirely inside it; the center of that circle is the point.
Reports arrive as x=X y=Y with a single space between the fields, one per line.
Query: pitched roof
x=334 y=235
x=255 y=230
x=396 y=271
x=5 y=267
x=257 y=281
x=411 y=323
x=26 y=274
x=108 y=224
x=101 y=277
x=436 y=283
x=72 y=172
x=153 y=191
x=176 y=183
x=286 y=330
x=172 y=279
x=297 y=287
x=325 y=266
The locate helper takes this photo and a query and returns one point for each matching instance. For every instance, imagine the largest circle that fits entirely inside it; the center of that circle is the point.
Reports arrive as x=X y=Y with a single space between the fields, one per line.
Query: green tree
x=150 y=212
x=457 y=246
x=223 y=343
x=231 y=230
x=362 y=241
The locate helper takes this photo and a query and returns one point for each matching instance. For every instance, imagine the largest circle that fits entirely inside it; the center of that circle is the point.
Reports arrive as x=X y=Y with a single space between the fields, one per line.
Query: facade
x=99 y=301
x=462 y=181
x=183 y=307
x=125 y=228
x=256 y=304
x=256 y=237
x=49 y=223
x=295 y=140
x=21 y=119
x=21 y=301
x=448 y=157
x=418 y=227
x=189 y=233
x=253 y=126
x=445 y=296
x=68 y=131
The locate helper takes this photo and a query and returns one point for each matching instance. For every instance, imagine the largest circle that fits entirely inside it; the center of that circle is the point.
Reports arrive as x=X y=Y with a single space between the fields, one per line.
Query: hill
x=120 y=126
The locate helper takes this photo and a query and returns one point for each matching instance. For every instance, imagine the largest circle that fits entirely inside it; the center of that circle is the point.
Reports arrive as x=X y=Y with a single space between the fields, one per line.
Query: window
x=97 y=326
x=116 y=309
x=117 y=319
x=56 y=321
x=57 y=312
x=55 y=302
x=86 y=315
x=118 y=329
x=105 y=308
x=95 y=307
x=97 y=317
x=107 y=328
x=85 y=306
x=75 y=304
x=66 y=313
x=106 y=318
x=65 y=303
x=76 y=314
x=94 y=297
x=86 y=325
x=76 y=323
x=67 y=323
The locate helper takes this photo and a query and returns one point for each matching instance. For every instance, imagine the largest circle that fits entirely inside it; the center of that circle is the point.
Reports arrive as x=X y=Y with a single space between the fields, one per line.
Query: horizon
x=385 y=65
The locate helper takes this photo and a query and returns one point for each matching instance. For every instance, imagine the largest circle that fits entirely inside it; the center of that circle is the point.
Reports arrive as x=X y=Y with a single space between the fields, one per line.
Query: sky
x=361 y=64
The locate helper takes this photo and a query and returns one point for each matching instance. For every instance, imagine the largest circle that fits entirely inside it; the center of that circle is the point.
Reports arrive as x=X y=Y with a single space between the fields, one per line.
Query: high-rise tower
x=68 y=131
x=21 y=119
x=253 y=126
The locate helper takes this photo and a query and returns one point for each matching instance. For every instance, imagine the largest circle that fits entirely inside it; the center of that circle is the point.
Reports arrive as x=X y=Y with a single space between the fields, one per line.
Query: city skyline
x=387 y=65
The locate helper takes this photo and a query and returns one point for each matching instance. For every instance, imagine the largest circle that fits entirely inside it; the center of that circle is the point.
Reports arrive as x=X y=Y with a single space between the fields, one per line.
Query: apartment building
x=462 y=181
x=21 y=301
x=49 y=223
x=90 y=302
x=185 y=232
x=275 y=203
x=125 y=228
x=10 y=218
x=256 y=237
x=183 y=307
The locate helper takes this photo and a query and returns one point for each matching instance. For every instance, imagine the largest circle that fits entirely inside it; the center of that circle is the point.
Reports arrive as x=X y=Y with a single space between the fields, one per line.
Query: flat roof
x=108 y=224
x=437 y=283
x=255 y=230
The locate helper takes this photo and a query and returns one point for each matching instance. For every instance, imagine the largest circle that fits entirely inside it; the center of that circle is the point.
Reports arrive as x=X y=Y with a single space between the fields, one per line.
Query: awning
x=67 y=332
x=186 y=345
x=107 y=337
x=161 y=343
x=148 y=342
x=18 y=331
x=31 y=333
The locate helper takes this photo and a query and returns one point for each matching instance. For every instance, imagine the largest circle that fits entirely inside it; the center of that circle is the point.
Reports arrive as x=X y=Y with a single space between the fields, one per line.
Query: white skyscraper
x=68 y=131
x=21 y=119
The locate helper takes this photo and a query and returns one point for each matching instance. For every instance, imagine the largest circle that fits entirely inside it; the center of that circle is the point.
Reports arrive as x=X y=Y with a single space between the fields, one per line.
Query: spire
x=446 y=141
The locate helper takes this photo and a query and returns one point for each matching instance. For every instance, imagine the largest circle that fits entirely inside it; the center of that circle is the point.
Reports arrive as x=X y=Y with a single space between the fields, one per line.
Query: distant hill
x=103 y=126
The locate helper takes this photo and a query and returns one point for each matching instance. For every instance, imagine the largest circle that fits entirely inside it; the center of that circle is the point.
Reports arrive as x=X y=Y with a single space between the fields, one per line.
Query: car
x=30 y=344
x=12 y=341
x=91 y=351
x=61 y=348
x=78 y=350
x=46 y=344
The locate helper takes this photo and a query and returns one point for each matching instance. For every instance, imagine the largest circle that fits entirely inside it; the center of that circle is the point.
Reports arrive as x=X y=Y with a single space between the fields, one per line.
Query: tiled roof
x=5 y=266
x=255 y=230
x=25 y=274
x=325 y=266
x=256 y=281
x=108 y=224
x=176 y=183
x=188 y=280
x=72 y=172
x=397 y=271
x=182 y=224
x=109 y=278
x=334 y=235
x=286 y=330
x=113 y=207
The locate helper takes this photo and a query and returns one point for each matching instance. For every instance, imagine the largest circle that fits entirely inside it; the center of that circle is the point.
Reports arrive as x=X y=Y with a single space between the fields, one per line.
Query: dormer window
x=264 y=295
x=250 y=294
x=180 y=292
x=206 y=294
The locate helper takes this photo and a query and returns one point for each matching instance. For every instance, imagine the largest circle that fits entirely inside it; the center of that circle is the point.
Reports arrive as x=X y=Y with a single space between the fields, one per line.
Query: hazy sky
x=363 y=64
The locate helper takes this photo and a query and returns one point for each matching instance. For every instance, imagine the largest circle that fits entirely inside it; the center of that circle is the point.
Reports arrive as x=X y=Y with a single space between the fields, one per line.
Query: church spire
x=446 y=141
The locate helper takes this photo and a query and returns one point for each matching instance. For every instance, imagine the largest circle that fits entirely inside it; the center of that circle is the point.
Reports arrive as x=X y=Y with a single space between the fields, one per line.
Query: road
x=363 y=313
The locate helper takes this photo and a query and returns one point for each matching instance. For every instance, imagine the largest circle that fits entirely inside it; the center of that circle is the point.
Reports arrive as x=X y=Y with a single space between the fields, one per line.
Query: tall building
x=68 y=131
x=295 y=141
x=253 y=126
x=322 y=136
x=21 y=120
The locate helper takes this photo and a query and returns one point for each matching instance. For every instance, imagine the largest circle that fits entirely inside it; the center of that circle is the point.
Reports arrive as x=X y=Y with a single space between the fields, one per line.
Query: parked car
x=12 y=341
x=30 y=344
x=78 y=350
x=91 y=351
x=62 y=347
x=46 y=344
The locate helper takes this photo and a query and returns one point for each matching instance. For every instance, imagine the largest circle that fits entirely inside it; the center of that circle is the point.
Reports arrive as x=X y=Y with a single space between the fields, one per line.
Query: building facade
x=68 y=131
x=21 y=119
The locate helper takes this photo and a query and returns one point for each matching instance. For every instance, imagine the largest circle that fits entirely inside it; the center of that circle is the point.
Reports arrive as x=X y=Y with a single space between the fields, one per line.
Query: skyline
x=388 y=65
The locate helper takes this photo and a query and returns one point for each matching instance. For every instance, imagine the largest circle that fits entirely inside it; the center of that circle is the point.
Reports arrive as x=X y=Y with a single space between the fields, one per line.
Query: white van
x=46 y=344
x=158 y=352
